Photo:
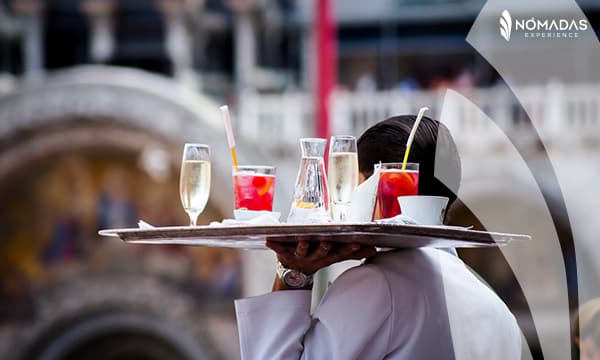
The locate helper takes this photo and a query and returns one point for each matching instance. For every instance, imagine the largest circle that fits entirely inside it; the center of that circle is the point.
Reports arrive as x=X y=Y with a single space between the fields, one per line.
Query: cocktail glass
x=395 y=181
x=254 y=187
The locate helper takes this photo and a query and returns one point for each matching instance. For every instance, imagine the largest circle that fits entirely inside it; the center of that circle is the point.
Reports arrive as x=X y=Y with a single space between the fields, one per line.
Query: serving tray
x=254 y=236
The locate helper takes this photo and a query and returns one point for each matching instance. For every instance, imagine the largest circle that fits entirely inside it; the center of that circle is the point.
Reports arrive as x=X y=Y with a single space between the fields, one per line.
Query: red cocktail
x=394 y=182
x=254 y=187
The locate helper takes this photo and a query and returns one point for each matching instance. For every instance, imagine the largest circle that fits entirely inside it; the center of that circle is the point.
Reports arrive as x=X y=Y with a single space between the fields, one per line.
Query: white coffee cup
x=424 y=209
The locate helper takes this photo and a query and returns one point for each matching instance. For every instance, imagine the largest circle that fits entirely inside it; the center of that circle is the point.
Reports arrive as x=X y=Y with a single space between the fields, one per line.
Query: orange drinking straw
x=411 y=137
x=229 y=131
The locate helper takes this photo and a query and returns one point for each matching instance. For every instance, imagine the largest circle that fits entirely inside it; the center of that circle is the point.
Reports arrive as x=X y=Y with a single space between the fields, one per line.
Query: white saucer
x=245 y=215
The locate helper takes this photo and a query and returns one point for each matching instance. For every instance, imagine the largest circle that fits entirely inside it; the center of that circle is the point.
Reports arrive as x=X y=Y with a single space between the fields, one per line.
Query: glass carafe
x=311 y=196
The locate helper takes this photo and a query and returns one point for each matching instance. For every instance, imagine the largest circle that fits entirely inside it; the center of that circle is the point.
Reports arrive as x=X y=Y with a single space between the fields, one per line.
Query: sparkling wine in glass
x=342 y=174
x=194 y=180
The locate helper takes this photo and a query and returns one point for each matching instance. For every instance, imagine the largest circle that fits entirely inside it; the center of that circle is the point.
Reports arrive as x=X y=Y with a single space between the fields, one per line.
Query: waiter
x=405 y=304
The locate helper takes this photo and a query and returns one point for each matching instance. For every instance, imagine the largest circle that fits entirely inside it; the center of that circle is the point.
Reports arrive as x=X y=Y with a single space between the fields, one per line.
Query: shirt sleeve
x=352 y=321
x=272 y=326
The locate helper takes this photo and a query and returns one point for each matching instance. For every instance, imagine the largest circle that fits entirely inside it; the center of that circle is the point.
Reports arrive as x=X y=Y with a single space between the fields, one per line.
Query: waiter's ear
x=361 y=178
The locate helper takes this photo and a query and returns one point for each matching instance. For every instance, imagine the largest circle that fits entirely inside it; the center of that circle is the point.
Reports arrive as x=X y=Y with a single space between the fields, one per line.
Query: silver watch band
x=294 y=279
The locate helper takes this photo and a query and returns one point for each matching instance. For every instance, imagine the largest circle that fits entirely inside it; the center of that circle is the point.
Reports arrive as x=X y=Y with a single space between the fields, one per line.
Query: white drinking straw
x=411 y=137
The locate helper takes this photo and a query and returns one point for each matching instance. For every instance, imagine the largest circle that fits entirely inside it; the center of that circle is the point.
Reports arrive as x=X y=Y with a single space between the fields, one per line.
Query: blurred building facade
x=97 y=97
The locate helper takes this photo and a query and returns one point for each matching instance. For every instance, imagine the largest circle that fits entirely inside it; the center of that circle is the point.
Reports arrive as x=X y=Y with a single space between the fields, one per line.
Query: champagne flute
x=194 y=180
x=342 y=174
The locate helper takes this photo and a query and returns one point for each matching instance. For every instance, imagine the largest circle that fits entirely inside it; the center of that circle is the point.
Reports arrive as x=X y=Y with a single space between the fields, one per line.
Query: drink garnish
x=262 y=184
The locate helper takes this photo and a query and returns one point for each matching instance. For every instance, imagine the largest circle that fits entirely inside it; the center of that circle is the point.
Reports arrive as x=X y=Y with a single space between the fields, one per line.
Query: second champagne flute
x=194 y=180
x=342 y=174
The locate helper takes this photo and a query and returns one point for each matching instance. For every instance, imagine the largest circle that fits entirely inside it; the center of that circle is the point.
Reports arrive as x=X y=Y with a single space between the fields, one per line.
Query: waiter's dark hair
x=432 y=147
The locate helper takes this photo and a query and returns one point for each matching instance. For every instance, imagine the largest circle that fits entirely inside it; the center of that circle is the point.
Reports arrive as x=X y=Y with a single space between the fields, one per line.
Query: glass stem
x=193 y=217
x=340 y=211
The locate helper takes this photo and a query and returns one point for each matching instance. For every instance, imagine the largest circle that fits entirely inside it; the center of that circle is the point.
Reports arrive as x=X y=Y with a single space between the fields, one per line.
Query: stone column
x=307 y=66
x=258 y=267
x=31 y=11
x=178 y=41
x=244 y=44
x=102 y=37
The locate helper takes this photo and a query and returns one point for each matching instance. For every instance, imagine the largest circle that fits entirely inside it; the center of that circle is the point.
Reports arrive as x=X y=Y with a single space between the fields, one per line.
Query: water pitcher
x=311 y=196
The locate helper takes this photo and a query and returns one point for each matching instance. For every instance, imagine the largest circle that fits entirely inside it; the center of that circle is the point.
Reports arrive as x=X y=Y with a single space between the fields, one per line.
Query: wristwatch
x=294 y=279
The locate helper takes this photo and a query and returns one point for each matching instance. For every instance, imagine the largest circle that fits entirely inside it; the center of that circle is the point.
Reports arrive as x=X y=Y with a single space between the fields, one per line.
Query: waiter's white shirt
x=412 y=304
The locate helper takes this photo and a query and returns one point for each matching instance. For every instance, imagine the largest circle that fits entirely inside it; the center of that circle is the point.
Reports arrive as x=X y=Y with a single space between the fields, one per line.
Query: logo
x=541 y=28
x=505 y=25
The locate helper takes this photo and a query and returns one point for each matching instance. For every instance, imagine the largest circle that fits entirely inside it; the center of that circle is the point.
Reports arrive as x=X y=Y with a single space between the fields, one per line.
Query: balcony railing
x=562 y=113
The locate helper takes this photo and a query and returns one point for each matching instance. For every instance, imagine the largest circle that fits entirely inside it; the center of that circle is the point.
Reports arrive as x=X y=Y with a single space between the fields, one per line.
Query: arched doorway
x=92 y=148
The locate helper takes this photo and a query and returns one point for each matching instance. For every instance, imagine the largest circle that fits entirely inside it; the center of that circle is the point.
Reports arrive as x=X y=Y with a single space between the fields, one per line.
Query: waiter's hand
x=309 y=259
